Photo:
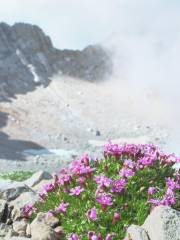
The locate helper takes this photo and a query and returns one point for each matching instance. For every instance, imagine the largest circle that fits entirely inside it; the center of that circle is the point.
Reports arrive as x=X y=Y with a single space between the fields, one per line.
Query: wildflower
x=92 y=214
x=127 y=173
x=50 y=213
x=62 y=207
x=146 y=161
x=129 y=164
x=118 y=186
x=108 y=237
x=82 y=181
x=103 y=181
x=64 y=180
x=170 y=183
x=92 y=236
x=76 y=191
x=27 y=211
x=105 y=200
x=156 y=202
x=152 y=190
x=116 y=217
x=73 y=236
x=48 y=188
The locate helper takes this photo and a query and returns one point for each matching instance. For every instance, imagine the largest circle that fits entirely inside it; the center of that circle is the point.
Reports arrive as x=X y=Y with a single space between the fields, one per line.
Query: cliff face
x=28 y=59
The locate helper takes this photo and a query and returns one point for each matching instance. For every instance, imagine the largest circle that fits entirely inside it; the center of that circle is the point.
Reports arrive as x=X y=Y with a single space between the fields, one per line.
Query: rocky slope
x=28 y=59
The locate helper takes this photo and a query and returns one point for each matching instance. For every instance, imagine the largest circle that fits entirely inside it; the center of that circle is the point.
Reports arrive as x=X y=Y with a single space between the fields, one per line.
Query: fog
x=143 y=36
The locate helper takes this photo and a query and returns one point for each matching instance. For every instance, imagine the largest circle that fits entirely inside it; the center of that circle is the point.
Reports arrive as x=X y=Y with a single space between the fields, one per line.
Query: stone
x=18 y=238
x=37 y=177
x=42 y=227
x=3 y=205
x=28 y=230
x=4 y=229
x=24 y=199
x=163 y=223
x=10 y=190
x=20 y=227
x=16 y=213
x=135 y=232
x=98 y=133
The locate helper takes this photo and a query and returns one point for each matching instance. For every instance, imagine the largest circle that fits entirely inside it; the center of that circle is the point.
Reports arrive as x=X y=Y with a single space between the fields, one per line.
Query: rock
x=10 y=190
x=16 y=213
x=3 y=206
x=28 y=230
x=163 y=224
x=20 y=227
x=40 y=185
x=42 y=227
x=18 y=238
x=37 y=177
x=135 y=232
x=98 y=133
x=4 y=229
x=24 y=199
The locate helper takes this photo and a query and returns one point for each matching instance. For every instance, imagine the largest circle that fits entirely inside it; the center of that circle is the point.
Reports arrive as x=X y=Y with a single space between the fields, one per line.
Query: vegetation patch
x=18 y=176
x=98 y=199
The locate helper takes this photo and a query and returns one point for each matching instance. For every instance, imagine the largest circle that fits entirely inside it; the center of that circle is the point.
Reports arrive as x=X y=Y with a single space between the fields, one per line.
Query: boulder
x=20 y=227
x=163 y=224
x=10 y=190
x=42 y=227
x=25 y=198
x=3 y=206
x=135 y=232
x=37 y=177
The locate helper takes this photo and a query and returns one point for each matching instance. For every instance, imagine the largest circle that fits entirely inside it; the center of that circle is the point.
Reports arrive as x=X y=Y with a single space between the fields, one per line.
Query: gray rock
x=42 y=227
x=163 y=224
x=20 y=227
x=135 y=232
x=10 y=190
x=18 y=238
x=24 y=199
x=3 y=205
x=4 y=229
x=37 y=177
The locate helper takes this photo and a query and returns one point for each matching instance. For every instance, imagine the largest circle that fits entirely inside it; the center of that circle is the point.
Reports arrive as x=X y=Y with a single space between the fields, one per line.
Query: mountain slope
x=28 y=59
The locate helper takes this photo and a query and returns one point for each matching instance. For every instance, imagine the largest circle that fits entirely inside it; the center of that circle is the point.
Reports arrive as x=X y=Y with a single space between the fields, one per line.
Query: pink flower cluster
x=74 y=182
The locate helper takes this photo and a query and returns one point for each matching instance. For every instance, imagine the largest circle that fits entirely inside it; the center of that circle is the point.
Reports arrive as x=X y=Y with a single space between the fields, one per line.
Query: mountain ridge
x=28 y=59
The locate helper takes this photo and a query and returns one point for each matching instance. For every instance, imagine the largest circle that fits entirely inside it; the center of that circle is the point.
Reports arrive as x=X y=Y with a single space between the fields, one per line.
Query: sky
x=77 y=23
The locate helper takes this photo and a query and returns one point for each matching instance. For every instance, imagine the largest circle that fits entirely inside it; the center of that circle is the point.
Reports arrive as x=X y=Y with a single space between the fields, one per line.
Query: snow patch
x=30 y=66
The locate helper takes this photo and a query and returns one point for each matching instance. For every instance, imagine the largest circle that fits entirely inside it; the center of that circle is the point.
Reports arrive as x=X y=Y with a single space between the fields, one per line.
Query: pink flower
x=152 y=190
x=103 y=181
x=108 y=237
x=92 y=236
x=73 y=236
x=48 y=188
x=92 y=214
x=62 y=207
x=76 y=191
x=127 y=173
x=81 y=180
x=129 y=164
x=105 y=200
x=170 y=183
x=118 y=186
x=27 y=211
x=64 y=180
x=116 y=217
x=146 y=161
x=50 y=213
